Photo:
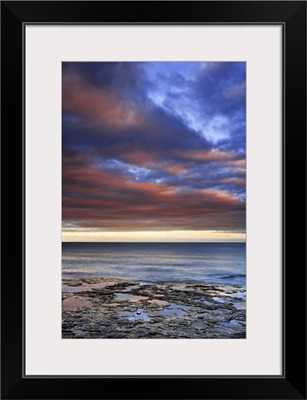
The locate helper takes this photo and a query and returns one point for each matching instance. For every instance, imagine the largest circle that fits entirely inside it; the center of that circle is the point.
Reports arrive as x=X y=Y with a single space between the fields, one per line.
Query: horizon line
x=147 y=241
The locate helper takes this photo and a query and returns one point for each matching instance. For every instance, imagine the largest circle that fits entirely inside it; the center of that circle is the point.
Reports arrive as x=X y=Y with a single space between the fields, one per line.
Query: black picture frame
x=292 y=383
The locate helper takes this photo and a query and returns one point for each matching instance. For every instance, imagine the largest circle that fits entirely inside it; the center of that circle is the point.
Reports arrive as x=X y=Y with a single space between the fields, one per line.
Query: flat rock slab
x=114 y=308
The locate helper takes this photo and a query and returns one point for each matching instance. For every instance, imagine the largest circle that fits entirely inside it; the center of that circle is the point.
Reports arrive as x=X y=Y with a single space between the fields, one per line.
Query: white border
x=46 y=352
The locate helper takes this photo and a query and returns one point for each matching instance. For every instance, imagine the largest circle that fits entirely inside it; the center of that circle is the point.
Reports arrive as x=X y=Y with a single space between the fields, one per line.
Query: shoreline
x=117 y=308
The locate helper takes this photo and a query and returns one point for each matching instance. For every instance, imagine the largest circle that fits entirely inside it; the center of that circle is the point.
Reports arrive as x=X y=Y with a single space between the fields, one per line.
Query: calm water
x=216 y=263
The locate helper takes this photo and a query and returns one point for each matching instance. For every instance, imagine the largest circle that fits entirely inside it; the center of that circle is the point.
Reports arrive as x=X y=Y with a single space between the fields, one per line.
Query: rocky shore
x=115 y=308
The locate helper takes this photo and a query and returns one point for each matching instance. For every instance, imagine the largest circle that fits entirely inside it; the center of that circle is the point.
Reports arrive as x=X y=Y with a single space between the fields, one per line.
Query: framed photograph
x=163 y=190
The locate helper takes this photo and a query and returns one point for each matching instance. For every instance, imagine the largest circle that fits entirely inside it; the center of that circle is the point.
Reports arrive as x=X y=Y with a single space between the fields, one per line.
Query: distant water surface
x=214 y=263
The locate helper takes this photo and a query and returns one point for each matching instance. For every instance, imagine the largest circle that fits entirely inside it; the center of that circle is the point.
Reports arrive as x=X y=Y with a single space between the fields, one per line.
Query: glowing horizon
x=154 y=236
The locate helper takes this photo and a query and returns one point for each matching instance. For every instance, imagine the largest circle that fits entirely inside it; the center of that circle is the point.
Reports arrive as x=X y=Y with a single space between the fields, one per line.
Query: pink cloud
x=102 y=105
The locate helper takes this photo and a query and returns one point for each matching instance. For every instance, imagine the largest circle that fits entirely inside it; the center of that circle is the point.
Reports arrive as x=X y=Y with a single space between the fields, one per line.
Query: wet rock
x=113 y=308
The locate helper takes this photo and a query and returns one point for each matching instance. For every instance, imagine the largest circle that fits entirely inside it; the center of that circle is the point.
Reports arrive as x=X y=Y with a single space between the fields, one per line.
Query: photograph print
x=154 y=200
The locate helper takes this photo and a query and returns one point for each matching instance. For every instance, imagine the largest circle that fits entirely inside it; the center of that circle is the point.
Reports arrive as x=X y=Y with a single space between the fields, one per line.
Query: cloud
x=154 y=146
x=106 y=200
x=98 y=106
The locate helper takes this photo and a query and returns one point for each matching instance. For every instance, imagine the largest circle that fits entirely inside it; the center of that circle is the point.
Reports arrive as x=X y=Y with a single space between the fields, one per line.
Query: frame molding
x=15 y=15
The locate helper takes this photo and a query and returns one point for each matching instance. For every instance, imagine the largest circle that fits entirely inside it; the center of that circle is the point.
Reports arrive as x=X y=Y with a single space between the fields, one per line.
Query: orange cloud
x=102 y=199
x=236 y=181
x=213 y=155
x=138 y=157
x=101 y=105
x=241 y=163
x=175 y=169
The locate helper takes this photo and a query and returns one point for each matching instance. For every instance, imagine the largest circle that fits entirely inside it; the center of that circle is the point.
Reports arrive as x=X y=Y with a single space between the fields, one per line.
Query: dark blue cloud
x=181 y=125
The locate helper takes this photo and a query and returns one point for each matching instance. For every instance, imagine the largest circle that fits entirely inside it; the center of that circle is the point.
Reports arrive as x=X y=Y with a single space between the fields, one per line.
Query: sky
x=153 y=151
